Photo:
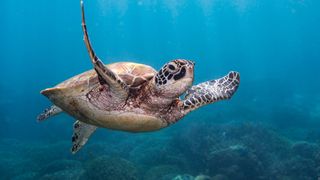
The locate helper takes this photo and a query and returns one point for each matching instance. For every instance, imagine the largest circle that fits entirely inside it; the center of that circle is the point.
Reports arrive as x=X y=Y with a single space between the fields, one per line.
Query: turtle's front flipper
x=106 y=76
x=49 y=112
x=211 y=91
x=81 y=134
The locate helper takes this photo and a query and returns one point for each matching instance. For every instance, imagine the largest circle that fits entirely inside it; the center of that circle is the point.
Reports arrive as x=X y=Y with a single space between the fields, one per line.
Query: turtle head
x=174 y=78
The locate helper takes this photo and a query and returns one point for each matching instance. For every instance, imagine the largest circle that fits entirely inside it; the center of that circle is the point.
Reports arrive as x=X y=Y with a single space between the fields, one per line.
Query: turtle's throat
x=155 y=99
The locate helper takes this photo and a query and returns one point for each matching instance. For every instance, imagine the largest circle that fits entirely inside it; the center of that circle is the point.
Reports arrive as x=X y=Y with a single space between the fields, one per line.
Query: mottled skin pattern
x=211 y=91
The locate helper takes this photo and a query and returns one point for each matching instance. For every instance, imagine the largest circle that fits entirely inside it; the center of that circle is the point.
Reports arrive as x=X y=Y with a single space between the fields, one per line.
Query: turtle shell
x=133 y=74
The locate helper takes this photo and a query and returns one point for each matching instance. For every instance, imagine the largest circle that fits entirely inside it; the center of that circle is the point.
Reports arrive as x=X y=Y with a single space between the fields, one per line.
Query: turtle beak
x=190 y=69
x=191 y=63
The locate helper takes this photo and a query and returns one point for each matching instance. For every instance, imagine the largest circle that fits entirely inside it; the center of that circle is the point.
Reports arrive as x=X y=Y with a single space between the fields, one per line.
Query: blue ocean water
x=270 y=129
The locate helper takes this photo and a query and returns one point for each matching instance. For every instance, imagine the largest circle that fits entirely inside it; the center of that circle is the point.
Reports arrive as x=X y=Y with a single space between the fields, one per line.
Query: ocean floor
x=203 y=151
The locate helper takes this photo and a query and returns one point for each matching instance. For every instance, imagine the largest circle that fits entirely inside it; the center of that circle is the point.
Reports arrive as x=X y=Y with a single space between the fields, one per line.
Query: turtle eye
x=172 y=67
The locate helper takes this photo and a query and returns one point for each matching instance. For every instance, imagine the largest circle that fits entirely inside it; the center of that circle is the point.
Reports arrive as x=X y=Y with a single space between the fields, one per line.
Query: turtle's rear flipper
x=81 y=134
x=49 y=112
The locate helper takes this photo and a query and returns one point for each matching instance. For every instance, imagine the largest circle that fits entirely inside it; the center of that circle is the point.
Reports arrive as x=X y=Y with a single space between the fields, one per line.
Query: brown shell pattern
x=133 y=74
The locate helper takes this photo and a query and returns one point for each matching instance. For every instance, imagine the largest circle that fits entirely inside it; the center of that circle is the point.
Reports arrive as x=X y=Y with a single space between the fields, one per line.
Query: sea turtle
x=132 y=97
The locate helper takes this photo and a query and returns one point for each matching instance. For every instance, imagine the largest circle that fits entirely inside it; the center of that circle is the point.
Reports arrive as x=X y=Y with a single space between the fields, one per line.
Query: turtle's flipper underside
x=211 y=91
x=106 y=76
x=81 y=134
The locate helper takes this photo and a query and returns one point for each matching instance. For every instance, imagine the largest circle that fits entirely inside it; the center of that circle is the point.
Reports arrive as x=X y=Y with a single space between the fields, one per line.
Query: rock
x=203 y=177
x=296 y=168
x=219 y=177
x=236 y=161
x=235 y=150
x=74 y=174
x=306 y=150
x=162 y=172
x=60 y=165
x=61 y=169
x=11 y=165
x=27 y=176
x=184 y=177
x=157 y=151
x=47 y=153
x=107 y=168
